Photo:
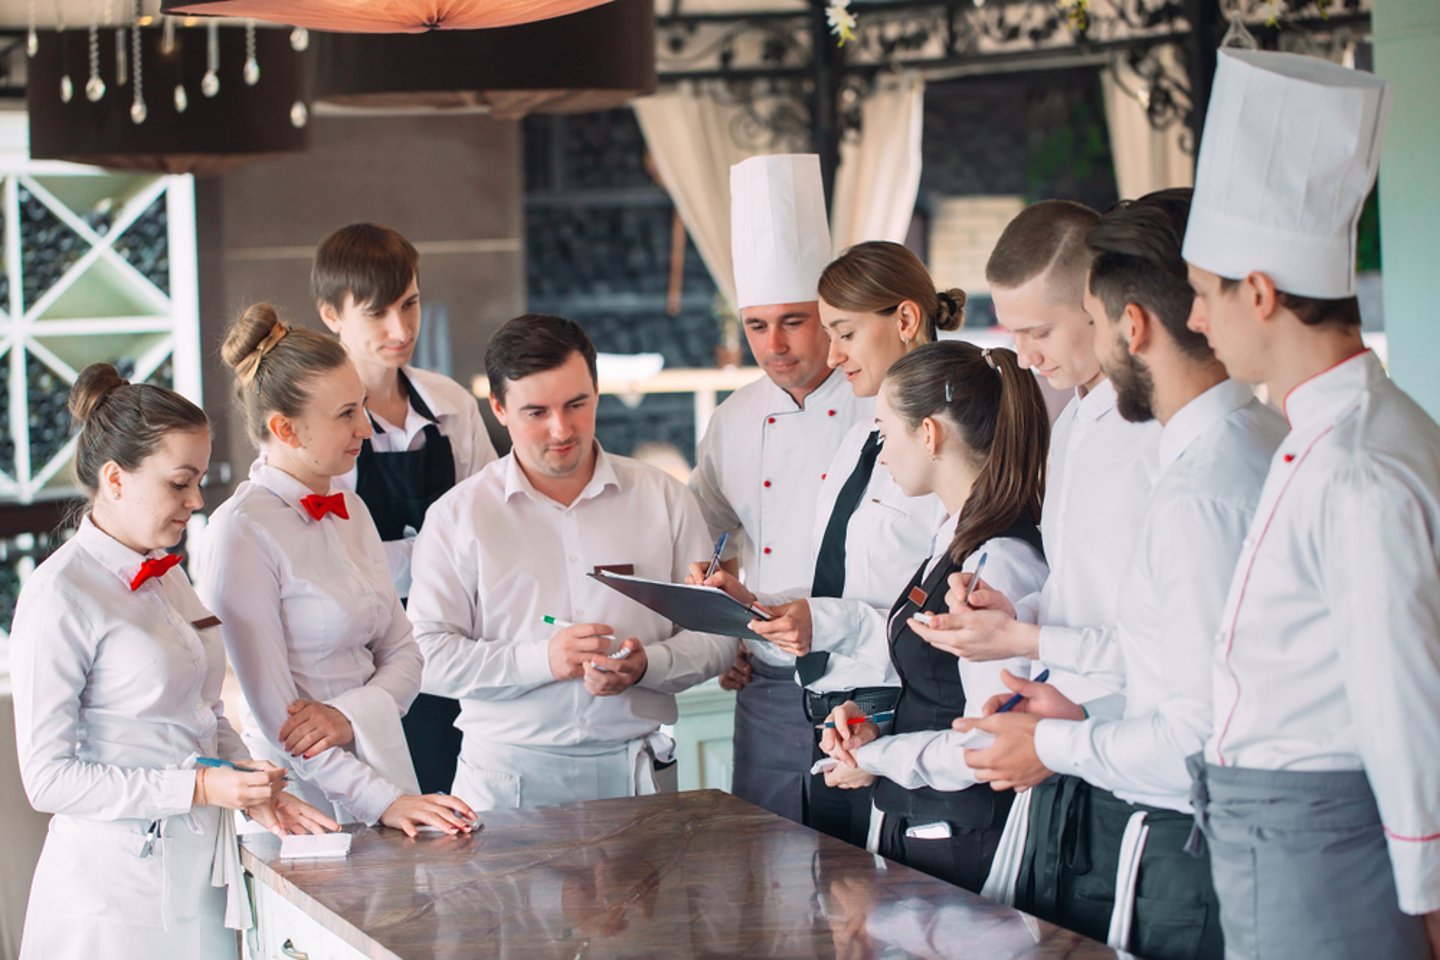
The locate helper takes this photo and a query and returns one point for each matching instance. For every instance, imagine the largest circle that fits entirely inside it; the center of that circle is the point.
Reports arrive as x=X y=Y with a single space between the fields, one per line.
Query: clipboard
x=698 y=608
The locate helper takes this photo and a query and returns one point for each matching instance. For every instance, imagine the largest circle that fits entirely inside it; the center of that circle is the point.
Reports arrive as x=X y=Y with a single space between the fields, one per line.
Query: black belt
x=819 y=706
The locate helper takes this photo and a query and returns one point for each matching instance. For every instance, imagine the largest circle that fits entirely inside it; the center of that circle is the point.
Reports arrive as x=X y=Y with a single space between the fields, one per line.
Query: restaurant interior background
x=158 y=173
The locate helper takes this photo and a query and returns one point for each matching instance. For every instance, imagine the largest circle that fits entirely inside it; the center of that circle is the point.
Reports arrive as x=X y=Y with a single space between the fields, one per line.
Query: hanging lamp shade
x=191 y=133
x=594 y=60
x=384 y=16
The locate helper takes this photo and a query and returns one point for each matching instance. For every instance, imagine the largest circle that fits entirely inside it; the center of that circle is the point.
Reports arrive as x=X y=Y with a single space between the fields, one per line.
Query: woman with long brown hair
x=970 y=426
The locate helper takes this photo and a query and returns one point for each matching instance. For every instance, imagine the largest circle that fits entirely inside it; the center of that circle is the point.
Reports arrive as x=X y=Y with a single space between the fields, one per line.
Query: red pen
x=880 y=717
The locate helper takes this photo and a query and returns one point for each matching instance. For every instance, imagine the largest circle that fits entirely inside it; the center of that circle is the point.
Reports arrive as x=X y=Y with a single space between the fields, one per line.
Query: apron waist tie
x=1200 y=801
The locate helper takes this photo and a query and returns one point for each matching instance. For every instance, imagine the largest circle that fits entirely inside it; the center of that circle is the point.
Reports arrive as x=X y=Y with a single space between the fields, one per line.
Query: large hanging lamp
x=385 y=16
x=557 y=66
x=169 y=101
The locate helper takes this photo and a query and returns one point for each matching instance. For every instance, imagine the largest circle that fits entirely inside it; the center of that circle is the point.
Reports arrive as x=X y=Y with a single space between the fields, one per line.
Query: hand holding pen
x=848 y=728
x=574 y=645
x=223 y=783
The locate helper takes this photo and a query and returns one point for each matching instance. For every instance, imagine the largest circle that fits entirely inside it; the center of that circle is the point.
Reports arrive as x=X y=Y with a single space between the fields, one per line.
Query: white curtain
x=879 y=174
x=1145 y=159
x=690 y=133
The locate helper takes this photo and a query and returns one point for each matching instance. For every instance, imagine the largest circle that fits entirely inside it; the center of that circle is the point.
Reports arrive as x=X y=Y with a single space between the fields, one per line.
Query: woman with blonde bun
x=117 y=668
x=295 y=567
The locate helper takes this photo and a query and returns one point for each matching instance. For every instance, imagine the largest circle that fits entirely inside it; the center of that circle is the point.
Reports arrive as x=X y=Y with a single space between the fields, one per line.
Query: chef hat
x=1290 y=151
x=778 y=230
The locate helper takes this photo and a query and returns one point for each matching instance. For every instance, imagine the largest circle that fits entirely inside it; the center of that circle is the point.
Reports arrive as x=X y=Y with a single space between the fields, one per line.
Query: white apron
x=516 y=776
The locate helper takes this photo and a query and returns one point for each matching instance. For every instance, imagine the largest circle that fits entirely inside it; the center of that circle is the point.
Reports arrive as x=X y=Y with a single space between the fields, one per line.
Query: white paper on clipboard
x=698 y=608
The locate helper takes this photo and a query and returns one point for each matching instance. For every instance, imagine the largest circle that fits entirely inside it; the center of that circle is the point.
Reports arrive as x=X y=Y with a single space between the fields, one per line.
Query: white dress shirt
x=309 y=613
x=889 y=535
x=928 y=757
x=1101 y=470
x=457 y=417
x=116 y=693
x=1214 y=454
x=496 y=556
x=1329 y=648
x=757 y=474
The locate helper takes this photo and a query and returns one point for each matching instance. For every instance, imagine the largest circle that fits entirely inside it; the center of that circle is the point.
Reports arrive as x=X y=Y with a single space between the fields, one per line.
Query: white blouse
x=116 y=691
x=309 y=612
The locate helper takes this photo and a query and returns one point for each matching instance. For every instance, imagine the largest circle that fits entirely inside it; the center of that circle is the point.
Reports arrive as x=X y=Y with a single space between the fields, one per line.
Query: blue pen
x=719 y=549
x=229 y=765
x=880 y=717
x=1009 y=705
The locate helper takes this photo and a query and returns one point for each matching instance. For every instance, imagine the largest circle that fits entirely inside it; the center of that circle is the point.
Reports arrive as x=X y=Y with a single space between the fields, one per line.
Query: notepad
x=699 y=608
x=307 y=846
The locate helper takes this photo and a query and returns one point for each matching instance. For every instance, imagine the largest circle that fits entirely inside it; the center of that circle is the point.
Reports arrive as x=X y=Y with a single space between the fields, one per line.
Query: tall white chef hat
x=779 y=234
x=1290 y=151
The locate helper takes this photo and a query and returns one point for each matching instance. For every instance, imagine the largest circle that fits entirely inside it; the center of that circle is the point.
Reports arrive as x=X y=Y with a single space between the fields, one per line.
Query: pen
x=557 y=622
x=1009 y=705
x=719 y=549
x=229 y=765
x=880 y=717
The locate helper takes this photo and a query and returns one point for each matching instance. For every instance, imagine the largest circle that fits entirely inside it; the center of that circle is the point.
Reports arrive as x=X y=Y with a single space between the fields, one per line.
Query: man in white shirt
x=1215 y=448
x=568 y=710
x=1319 y=790
x=428 y=432
x=760 y=465
x=1101 y=471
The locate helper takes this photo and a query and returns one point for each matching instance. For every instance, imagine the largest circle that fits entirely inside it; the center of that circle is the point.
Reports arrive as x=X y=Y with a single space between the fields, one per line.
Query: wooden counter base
x=697 y=874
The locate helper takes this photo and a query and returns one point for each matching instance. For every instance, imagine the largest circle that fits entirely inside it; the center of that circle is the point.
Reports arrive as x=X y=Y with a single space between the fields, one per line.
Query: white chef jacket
x=116 y=694
x=457 y=417
x=1329 y=649
x=310 y=613
x=1101 y=470
x=889 y=535
x=1214 y=454
x=758 y=471
x=496 y=556
x=910 y=759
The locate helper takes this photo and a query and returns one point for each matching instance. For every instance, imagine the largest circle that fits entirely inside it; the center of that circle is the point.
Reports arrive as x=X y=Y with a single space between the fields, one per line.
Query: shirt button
x=1289 y=458
x=770 y=420
x=823 y=476
x=766 y=551
x=766 y=483
x=830 y=413
x=572 y=559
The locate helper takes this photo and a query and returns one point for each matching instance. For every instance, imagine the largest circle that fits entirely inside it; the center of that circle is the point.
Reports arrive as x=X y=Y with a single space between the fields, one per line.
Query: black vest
x=931 y=697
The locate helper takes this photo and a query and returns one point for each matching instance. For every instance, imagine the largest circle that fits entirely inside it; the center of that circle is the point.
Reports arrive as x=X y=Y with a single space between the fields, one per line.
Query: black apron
x=398 y=488
x=931 y=697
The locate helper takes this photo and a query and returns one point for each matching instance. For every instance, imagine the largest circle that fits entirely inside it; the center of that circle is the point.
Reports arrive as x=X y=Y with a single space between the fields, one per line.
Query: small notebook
x=306 y=846
x=703 y=609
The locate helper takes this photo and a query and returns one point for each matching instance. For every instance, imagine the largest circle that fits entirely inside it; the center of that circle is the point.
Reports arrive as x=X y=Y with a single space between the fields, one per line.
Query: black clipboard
x=702 y=609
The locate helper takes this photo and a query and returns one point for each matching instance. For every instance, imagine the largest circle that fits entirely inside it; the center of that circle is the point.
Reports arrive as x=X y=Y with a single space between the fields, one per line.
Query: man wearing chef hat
x=766 y=450
x=1319 y=790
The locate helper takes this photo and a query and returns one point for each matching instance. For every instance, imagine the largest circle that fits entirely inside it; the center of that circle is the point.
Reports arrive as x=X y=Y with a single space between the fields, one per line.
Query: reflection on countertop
x=697 y=874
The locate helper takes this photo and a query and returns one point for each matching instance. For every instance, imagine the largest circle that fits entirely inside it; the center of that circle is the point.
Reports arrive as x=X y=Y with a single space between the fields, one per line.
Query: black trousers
x=842 y=814
x=1073 y=852
x=433 y=740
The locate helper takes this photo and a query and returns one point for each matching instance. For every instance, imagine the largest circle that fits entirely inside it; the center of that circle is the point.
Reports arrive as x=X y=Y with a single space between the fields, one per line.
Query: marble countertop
x=698 y=874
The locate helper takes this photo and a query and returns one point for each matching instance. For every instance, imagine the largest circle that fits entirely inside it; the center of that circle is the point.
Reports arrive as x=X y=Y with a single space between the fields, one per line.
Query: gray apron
x=773 y=740
x=1301 y=866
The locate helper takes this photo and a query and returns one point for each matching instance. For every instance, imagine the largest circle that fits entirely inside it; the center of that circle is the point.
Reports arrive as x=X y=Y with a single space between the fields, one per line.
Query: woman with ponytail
x=968 y=425
x=117 y=669
x=296 y=570
x=878 y=303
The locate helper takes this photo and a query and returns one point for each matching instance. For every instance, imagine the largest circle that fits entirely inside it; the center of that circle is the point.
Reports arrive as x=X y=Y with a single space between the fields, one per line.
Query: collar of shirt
x=283 y=485
x=517 y=483
x=1093 y=404
x=111 y=553
x=1198 y=416
x=819 y=397
x=940 y=542
x=1324 y=396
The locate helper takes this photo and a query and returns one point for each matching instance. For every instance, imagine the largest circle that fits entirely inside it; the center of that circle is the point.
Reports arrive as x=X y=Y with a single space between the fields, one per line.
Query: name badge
x=623 y=569
x=918 y=596
x=205 y=623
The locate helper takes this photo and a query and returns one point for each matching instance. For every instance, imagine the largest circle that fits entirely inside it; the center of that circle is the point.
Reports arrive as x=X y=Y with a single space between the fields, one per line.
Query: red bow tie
x=317 y=506
x=154 y=567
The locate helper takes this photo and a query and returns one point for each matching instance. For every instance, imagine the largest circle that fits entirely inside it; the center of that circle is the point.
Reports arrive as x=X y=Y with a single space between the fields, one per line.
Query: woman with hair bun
x=117 y=668
x=878 y=303
x=970 y=426
x=321 y=646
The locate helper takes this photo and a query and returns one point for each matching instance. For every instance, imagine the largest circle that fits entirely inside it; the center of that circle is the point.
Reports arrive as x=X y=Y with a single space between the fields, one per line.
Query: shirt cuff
x=659 y=662
x=374 y=800
x=532 y=662
x=1417 y=873
x=1058 y=648
x=1058 y=743
x=176 y=792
